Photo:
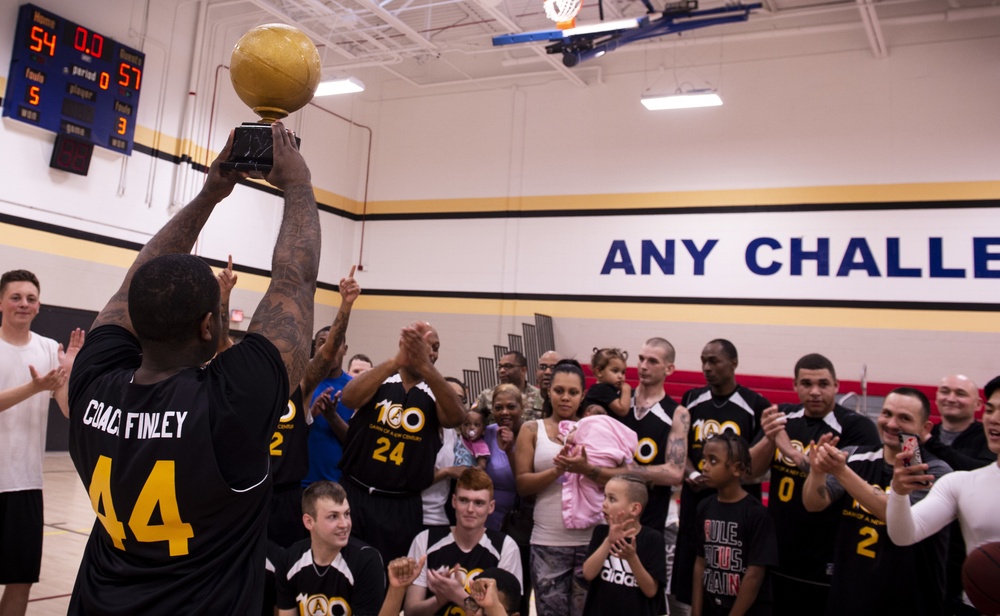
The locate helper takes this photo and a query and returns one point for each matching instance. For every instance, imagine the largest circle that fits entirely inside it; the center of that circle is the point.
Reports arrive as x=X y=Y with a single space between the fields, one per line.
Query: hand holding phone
x=911 y=443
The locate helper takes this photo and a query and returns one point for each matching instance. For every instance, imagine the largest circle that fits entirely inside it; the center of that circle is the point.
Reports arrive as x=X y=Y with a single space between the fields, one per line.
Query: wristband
x=694 y=475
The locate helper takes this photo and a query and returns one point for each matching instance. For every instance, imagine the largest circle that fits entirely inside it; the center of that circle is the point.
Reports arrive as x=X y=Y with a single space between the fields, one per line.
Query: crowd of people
x=264 y=477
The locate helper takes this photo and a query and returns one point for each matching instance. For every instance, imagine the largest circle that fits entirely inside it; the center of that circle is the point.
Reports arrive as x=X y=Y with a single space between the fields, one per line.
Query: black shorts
x=284 y=524
x=21 y=517
x=387 y=522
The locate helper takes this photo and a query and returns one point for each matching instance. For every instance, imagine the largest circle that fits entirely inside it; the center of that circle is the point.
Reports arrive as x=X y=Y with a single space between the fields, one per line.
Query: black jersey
x=393 y=440
x=732 y=537
x=805 y=539
x=653 y=429
x=738 y=413
x=177 y=472
x=354 y=583
x=290 y=444
x=614 y=590
x=495 y=549
x=872 y=575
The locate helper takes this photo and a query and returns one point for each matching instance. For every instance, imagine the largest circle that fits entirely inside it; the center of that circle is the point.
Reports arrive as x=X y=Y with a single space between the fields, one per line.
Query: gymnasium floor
x=68 y=519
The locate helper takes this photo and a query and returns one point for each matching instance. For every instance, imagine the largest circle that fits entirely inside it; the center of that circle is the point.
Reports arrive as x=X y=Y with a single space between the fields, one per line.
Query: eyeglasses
x=471 y=607
x=546 y=367
x=510 y=366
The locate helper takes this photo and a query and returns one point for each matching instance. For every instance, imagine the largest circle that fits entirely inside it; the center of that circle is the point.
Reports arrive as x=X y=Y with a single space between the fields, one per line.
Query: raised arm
x=285 y=313
x=401 y=573
x=227 y=281
x=415 y=354
x=772 y=424
x=361 y=388
x=908 y=524
x=36 y=385
x=66 y=359
x=177 y=236
x=321 y=363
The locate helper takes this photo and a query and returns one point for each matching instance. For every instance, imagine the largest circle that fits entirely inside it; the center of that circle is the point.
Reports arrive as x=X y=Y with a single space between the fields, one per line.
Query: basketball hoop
x=563 y=12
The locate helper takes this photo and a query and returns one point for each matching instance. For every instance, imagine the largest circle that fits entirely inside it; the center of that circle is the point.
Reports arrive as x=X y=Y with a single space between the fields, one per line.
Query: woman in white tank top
x=557 y=553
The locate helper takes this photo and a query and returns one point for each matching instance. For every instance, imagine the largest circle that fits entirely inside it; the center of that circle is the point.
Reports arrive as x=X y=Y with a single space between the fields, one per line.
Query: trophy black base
x=253 y=150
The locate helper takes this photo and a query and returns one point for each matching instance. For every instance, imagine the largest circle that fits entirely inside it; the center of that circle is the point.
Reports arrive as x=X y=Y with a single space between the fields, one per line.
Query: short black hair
x=991 y=387
x=170 y=295
x=566 y=366
x=736 y=447
x=814 y=361
x=18 y=276
x=314 y=348
x=727 y=347
x=913 y=392
x=507 y=584
x=519 y=358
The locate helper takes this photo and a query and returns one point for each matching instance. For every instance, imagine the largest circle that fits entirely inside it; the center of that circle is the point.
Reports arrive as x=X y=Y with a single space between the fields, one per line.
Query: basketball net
x=563 y=12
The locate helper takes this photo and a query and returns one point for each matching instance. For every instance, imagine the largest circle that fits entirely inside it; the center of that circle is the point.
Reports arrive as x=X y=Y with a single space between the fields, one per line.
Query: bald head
x=543 y=375
x=958 y=401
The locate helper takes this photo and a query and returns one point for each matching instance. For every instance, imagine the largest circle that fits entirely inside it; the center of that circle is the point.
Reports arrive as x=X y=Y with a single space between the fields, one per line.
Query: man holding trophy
x=173 y=450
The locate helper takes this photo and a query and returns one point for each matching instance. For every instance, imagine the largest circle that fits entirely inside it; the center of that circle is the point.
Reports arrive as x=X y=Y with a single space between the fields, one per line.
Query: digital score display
x=73 y=81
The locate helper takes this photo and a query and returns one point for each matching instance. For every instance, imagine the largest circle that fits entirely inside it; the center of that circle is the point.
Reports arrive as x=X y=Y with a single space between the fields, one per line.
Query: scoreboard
x=70 y=80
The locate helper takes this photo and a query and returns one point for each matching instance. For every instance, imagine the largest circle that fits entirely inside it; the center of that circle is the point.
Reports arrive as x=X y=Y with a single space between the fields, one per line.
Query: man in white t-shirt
x=32 y=369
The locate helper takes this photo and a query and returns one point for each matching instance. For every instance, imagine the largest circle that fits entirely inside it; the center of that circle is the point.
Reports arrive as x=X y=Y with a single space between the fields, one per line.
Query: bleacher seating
x=777 y=389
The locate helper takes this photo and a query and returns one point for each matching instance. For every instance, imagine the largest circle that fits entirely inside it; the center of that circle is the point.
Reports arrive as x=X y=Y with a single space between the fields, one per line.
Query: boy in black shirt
x=626 y=566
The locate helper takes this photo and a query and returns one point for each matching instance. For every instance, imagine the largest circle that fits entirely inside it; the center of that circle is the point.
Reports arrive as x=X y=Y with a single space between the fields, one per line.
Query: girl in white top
x=973 y=497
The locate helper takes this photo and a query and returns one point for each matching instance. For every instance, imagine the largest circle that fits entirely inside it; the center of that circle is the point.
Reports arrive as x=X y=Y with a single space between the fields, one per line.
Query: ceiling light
x=607 y=26
x=688 y=100
x=340 y=86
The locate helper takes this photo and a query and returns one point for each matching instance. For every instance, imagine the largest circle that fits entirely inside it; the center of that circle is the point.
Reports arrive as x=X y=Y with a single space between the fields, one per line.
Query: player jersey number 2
x=385 y=452
x=159 y=489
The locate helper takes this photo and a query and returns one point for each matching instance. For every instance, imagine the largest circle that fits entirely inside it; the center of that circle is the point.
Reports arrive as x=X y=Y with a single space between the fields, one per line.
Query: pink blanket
x=609 y=443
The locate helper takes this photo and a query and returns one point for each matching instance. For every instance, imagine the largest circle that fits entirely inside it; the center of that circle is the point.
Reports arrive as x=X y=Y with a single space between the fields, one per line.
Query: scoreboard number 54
x=159 y=488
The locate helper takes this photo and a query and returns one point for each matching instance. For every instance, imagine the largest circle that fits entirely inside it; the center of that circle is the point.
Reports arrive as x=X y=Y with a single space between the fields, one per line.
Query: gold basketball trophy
x=275 y=69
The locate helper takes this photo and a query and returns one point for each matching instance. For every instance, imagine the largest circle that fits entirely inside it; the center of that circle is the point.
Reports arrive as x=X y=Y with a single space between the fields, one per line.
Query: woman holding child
x=557 y=552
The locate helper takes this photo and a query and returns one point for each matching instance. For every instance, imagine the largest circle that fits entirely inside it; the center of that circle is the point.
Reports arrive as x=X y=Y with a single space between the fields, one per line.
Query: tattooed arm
x=227 y=281
x=671 y=472
x=323 y=361
x=285 y=314
x=177 y=236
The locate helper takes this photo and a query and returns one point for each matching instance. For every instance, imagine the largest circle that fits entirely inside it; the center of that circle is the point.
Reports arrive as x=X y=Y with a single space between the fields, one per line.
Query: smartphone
x=911 y=442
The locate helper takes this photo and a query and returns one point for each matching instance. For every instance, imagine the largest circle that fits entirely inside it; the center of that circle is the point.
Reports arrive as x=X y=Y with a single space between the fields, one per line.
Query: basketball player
x=393 y=439
x=456 y=554
x=331 y=572
x=721 y=406
x=662 y=427
x=805 y=540
x=872 y=576
x=173 y=454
